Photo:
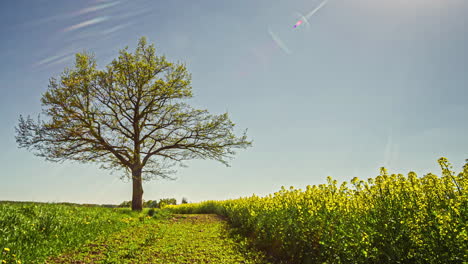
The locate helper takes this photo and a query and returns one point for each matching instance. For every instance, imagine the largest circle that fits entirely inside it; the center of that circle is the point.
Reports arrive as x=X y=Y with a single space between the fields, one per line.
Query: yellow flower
x=6 y=249
x=3 y=261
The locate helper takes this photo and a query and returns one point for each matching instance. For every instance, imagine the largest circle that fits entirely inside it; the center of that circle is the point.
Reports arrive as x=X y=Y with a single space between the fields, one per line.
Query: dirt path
x=181 y=239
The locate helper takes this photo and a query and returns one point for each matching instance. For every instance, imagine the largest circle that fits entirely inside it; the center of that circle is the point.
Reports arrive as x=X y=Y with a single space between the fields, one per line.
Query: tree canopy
x=131 y=116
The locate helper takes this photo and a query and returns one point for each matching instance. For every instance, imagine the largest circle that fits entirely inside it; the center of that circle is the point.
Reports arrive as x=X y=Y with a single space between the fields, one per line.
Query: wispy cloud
x=86 y=23
x=114 y=29
x=82 y=11
x=55 y=59
x=48 y=60
x=62 y=60
x=95 y=8
x=59 y=55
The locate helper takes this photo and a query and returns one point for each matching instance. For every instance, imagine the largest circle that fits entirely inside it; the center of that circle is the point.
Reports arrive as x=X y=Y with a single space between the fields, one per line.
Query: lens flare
x=279 y=42
x=297 y=24
x=310 y=14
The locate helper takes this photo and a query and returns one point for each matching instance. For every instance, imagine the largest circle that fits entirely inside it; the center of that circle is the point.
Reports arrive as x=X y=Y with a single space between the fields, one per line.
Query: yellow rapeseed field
x=388 y=219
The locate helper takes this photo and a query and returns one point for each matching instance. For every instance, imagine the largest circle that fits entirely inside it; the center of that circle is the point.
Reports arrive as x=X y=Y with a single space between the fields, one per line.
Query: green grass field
x=53 y=233
x=30 y=232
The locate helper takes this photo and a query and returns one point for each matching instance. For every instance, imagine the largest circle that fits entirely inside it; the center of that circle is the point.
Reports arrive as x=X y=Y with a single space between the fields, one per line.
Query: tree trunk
x=137 y=199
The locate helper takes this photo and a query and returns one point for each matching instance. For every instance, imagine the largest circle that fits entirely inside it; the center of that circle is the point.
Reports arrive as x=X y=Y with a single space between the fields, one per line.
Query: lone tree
x=130 y=117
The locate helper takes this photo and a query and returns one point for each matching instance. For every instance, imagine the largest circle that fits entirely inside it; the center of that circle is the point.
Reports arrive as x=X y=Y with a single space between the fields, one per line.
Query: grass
x=57 y=233
x=31 y=232
x=179 y=239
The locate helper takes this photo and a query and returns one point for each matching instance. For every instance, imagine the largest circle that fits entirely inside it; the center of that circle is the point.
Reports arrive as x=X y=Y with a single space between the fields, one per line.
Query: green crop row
x=387 y=219
x=31 y=232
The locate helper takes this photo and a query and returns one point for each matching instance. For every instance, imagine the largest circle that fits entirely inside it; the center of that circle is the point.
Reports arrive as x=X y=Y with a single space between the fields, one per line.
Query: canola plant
x=388 y=219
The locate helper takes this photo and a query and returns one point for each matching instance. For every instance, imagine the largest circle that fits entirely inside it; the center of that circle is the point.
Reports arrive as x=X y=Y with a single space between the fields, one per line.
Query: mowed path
x=181 y=239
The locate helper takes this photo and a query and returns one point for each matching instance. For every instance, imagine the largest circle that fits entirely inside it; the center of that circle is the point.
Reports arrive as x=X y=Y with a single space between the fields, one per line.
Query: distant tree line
x=61 y=203
x=155 y=203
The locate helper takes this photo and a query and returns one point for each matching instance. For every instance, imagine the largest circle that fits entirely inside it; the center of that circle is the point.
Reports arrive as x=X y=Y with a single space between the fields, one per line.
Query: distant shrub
x=125 y=204
x=151 y=212
x=150 y=204
x=109 y=205
x=167 y=201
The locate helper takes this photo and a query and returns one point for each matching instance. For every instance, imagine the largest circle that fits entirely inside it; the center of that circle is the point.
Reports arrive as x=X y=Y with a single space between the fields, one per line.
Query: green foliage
x=388 y=219
x=152 y=203
x=184 y=200
x=125 y=204
x=33 y=231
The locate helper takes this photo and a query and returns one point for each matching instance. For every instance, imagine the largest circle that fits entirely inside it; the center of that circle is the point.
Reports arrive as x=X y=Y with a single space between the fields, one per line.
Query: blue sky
x=370 y=83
